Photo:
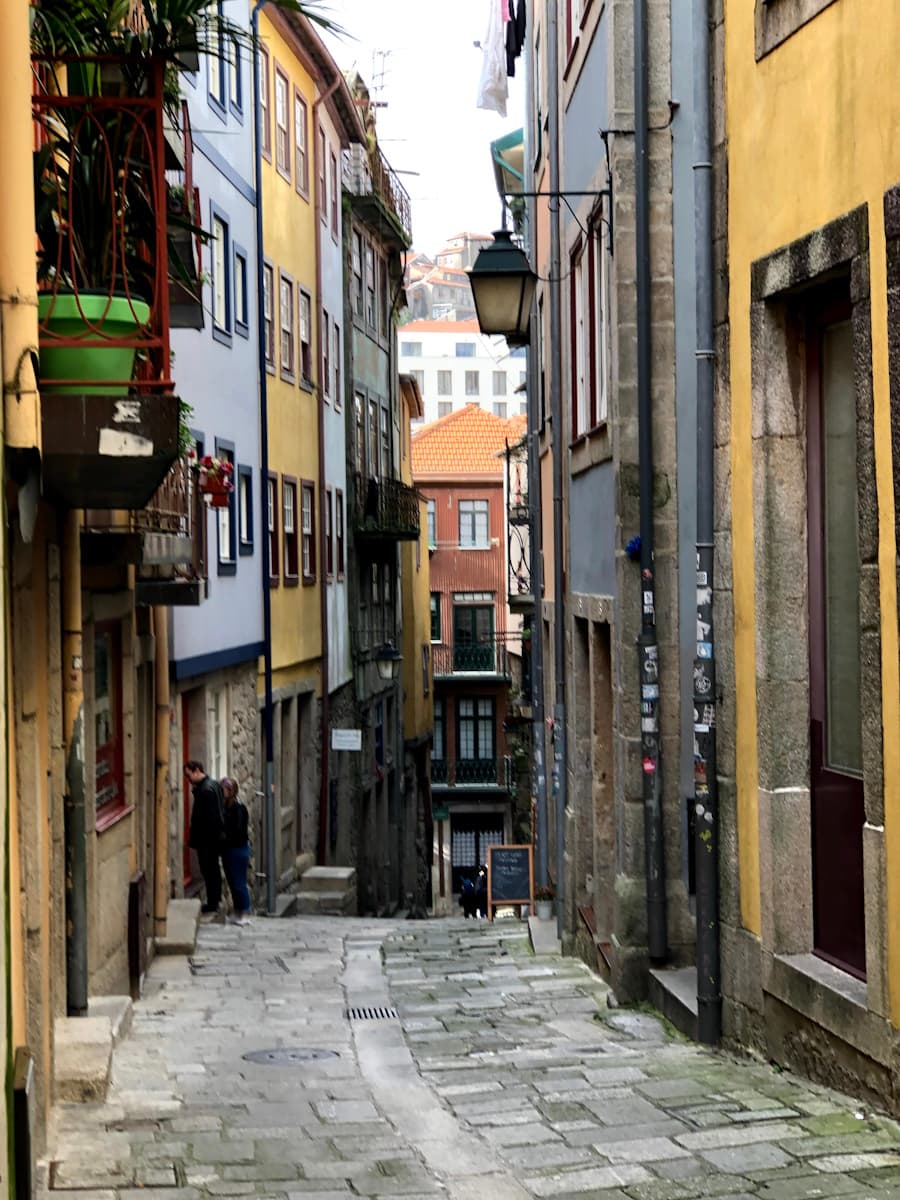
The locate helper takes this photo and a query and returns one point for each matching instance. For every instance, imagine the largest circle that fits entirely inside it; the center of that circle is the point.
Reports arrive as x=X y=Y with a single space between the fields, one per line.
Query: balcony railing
x=520 y=589
x=472 y=772
x=367 y=173
x=486 y=658
x=386 y=508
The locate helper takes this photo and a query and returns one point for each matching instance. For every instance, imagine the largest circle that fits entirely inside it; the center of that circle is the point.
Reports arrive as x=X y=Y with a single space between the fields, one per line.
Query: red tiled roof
x=425 y=326
x=467 y=441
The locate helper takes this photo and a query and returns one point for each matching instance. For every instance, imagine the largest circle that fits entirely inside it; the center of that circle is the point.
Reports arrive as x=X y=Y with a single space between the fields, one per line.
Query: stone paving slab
x=504 y=1077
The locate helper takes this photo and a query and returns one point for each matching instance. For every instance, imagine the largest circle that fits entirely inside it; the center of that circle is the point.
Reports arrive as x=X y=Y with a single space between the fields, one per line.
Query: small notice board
x=510 y=876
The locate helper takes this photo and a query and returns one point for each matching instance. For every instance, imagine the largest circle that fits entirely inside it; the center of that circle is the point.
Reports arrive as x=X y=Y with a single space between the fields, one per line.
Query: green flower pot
x=95 y=361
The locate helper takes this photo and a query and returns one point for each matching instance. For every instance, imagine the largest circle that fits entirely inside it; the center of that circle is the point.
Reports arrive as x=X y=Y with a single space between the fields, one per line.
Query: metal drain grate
x=374 y=1013
x=288 y=1056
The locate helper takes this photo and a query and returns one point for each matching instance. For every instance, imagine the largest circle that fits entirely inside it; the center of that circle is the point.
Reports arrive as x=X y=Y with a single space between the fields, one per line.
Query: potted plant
x=215 y=477
x=543 y=902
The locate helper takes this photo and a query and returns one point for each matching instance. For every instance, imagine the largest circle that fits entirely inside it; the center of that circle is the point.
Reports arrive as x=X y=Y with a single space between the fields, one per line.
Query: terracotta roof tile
x=425 y=326
x=468 y=441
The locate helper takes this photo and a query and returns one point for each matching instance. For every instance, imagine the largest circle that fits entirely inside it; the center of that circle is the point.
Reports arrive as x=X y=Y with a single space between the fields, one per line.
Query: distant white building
x=455 y=365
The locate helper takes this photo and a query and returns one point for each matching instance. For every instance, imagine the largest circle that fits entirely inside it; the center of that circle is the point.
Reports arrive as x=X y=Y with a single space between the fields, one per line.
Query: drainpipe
x=648 y=647
x=268 y=736
x=559 y=615
x=73 y=733
x=325 y=713
x=161 y=812
x=706 y=816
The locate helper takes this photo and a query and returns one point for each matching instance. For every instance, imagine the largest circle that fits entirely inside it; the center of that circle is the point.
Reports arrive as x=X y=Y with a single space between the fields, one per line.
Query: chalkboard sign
x=510 y=876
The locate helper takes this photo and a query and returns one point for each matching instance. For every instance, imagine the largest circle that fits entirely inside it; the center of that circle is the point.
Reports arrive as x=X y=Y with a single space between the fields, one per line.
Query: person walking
x=207 y=830
x=236 y=852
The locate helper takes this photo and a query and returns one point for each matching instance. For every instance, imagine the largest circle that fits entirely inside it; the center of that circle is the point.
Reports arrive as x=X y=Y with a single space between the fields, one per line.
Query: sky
x=418 y=58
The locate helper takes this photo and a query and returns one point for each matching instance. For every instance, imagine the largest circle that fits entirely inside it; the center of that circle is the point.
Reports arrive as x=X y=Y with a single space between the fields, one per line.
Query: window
x=445 y=408
x=359 y=404
x=435 y=616
x=221 y=252
x=289 y=519
x=329 y=534
x=326 y=356
x=413 y=350
x=282 y=125
x=264 y=104
x=599 y=283
x=272 y=518
x=357 y=275
x=217 y=60
x=268 y=316
x=437 y=747
x=245 y=510
x=473 y=524
x=308 y=530
x=588 y=335
x=465 y=349
x=338 y=397
x=234 y=76
x=383 y=296
x=301 y=144
x=387 y=457
x=445 y=383
x=286 y=323
x=225 y=518
x=500 y=408
x=499 y=382
x=241 y=293
x=108 y=745
x=473 y=636
x=471 y=383
x=217 y=733
x=322 y=184
x=371 y=315
x=339 y=531
x=432 y=523
x=426 y=660
x=305 y=306
x=373 y=439
x=335 y=194
x=579 y=382
x=476 y=729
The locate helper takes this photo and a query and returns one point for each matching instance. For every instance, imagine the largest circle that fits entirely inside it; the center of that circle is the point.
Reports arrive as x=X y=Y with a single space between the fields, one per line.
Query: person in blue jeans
x=236 y=852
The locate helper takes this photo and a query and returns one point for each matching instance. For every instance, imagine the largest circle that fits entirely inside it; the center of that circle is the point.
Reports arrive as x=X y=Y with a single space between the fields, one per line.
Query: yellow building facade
x=809 y=395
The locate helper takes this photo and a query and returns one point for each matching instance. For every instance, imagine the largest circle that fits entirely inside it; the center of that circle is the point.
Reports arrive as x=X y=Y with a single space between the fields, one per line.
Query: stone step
x=328 y=879
x=327 y=904
x=673 y=990
x=84 y=1047
x=182 y=918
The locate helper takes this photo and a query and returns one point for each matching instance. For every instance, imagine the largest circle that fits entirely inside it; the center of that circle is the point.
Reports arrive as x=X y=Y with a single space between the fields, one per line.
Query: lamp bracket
x=565 y=195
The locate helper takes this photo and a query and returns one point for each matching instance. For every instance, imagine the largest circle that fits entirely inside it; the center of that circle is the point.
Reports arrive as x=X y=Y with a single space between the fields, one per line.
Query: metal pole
x=706 y=822
x=648 y=647
x=559 y=616
x=268 y=736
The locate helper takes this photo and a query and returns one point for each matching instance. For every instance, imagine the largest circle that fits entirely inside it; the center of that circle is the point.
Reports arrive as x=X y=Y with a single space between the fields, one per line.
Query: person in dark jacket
x=207 y=830
x=236 y=852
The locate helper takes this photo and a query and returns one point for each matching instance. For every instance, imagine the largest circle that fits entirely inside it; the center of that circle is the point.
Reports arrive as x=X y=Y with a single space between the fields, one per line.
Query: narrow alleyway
x=470 y=1069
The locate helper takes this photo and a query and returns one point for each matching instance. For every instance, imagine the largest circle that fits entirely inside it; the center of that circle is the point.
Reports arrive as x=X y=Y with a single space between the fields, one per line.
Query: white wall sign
x=346 y=739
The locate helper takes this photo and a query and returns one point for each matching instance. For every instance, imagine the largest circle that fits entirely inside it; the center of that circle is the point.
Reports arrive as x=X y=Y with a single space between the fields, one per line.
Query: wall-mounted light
x=388 y=659
x=503 y=286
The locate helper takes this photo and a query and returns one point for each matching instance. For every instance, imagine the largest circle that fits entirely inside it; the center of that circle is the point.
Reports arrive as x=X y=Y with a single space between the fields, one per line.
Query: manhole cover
x=375 y=1013
x=287 y=1056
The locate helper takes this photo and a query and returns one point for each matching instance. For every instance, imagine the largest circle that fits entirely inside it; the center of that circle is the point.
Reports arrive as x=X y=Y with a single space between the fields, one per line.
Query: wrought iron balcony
x=486 y=658
x=472 y=773
x=520 y=590
x=386 y=509
x=165 y=541
x=368 y=176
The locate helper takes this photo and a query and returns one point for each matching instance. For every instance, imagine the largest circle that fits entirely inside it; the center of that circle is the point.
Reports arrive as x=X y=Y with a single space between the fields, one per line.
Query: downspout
x=73 y=734
x=324 y=712
x=161 y=812
x=268 y=736
x=706 y=816
x=559 y=616
x=536 y=530
x=648 y=646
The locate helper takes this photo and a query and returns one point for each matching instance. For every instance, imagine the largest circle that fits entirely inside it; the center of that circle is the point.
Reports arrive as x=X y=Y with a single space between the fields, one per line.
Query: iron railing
x=370 y=174
x=485 y=658
x=386 y=508
x=519 y=587
x=496 y=772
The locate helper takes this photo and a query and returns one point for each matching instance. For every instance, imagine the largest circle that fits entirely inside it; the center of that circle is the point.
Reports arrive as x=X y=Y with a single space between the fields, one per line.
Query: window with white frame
x=218 y=738
x=599 y=270
x=234 y=74
x=221 y=252
x=371 y=314
x=225 y=517
x=301 y=144
x=339 y=531
x=338 y=397
x=264 y=104
x=472 y=383
x=268 y=315
x=286 y=324
x=473 y=524
x=431 y=510
x=445 y=383
x=241 y=294
x=499 y=383
x=326 y=355
x=329 y=533
x=272 y=522
x=357 y=274
x=289 y=527
x=499 y=408
x=308 y=531
x=580 y=382
x=305 y=305
x=245 y=509
x=411 y=350
x=282 y=124
x=334 y=196
x=444 y=408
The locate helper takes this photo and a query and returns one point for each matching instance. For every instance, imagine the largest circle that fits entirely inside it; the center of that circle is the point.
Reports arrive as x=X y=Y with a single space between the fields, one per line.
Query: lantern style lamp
x=388 y=658
x=503 y=289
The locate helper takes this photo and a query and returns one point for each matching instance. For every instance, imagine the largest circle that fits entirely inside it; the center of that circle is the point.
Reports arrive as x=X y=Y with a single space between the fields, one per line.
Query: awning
x=508 y=155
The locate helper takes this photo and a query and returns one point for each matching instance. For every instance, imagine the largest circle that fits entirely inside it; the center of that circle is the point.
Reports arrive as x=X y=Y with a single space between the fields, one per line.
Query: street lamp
x=503 y=289
x=388 y=659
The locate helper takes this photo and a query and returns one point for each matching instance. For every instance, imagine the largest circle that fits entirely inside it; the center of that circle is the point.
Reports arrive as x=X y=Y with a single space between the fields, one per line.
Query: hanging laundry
x=515 y=35
x=492 y=88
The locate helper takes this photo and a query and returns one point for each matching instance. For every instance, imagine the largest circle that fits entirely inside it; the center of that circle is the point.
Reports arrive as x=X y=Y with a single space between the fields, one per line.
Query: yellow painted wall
x=813 y=131
x=415 y=567
x=290 y=242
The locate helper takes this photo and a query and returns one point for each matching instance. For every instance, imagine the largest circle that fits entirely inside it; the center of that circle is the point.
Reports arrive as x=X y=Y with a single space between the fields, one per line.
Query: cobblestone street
x=503 y=1076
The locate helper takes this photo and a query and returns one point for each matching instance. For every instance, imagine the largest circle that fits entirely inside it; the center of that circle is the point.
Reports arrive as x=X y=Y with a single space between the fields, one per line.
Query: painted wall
x=415 y=569
x=216 y=370
x=290 y=244
x=840 y=149
x=438 y=340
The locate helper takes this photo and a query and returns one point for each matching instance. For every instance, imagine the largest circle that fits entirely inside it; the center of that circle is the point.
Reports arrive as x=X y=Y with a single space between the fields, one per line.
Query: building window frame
x=272 y=502
x=265 y=103
x=289 y=534
x=109 y=755
x=301 y=144
x=269 y=313
x=226 y=534
x=308 y=531
x=470 y=510
x=304 y=323
x=338 y=398
x=339 y=531
x=435 y=606
x=244 y=503
x=335 y=194
x=241 y=291
x=287 y=349
x=220 y=261
x=329 y=534
x=326 y=356
x=283 y=143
